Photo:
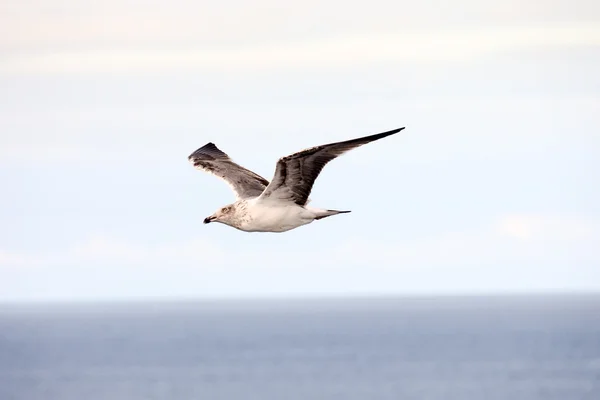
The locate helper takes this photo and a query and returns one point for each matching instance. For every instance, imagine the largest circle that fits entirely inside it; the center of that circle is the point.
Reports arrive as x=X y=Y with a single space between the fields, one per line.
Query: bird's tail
x=328 y=213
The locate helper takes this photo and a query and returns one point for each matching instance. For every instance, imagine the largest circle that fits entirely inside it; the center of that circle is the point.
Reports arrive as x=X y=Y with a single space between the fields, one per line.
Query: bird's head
x=223 y=215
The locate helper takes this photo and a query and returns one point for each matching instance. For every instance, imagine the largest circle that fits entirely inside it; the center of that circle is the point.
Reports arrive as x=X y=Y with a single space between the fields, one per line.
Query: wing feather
x=245 y=183
x=295 y=174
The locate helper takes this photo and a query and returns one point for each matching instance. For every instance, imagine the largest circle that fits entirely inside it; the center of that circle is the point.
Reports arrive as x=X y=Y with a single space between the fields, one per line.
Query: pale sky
x=492 y=187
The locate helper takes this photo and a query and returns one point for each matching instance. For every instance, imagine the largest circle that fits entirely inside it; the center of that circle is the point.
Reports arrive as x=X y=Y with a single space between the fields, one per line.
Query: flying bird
x=282 y=204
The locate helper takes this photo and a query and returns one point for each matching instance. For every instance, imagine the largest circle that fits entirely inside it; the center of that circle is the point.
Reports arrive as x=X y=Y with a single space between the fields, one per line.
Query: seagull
x=282 y=204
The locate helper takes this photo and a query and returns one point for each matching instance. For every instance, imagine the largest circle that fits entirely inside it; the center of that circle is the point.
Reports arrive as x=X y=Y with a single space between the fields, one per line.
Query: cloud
x=521 y=238
x=15 y=259
x=74 y=23
x=99 y=251
x=511 y=239
x=350 y=50
x=546 y=228
x=495 y=258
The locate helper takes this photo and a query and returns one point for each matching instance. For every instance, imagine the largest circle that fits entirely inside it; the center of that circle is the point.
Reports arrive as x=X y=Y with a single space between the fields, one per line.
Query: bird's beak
x=209 y=219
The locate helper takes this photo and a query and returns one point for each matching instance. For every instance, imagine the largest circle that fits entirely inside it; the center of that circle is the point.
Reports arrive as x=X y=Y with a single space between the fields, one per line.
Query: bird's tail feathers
x=328 y=213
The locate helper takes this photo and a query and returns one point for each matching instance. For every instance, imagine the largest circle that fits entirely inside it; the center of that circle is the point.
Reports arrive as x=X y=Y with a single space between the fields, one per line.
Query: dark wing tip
x=388 y=133
x=381 y=135
x=372 y=138
x=208 y=152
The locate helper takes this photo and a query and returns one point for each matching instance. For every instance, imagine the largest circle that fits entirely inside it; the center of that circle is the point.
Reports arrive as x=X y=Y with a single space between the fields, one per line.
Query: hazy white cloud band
x=511 y=238
x=349 y=50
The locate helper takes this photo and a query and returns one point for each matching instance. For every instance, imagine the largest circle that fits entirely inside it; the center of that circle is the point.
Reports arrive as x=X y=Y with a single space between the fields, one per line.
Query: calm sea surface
x=538 y=347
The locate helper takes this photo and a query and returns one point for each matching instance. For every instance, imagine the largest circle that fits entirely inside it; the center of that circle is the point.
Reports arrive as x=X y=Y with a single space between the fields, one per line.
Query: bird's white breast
x=268 y=217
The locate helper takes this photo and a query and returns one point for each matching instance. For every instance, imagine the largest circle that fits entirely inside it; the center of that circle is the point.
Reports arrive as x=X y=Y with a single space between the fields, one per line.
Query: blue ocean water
x=525 y=347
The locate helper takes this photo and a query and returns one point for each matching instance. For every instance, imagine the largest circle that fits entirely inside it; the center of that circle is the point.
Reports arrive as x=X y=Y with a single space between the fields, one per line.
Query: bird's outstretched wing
x=295 y=174
x=245 y=183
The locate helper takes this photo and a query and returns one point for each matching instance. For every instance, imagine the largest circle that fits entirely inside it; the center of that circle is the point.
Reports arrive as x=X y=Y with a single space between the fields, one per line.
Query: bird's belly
x=277 y=219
